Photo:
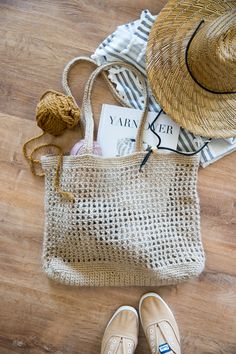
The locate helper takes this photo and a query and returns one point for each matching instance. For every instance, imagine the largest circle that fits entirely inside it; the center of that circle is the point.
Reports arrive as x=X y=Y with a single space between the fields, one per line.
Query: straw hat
x=191 y=65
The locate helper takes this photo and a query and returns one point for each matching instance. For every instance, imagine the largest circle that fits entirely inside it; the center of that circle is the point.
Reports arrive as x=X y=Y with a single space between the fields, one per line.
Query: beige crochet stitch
x=125 y=227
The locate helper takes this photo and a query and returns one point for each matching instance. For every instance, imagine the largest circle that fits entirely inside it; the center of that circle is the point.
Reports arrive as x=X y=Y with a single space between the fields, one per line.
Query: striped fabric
x=128 y=43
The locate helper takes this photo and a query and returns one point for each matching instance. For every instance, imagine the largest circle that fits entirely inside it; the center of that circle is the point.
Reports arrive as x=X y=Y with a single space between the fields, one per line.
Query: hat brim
x=195 y=109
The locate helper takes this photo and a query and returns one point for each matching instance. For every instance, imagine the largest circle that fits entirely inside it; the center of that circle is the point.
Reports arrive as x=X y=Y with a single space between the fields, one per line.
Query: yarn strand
x=29 y=158
x=33 y=161
x=55 y=113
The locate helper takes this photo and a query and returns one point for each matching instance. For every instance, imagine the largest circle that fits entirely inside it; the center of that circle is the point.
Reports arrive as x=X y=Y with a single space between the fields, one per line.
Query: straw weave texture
x=125 y=227
x=212 y=61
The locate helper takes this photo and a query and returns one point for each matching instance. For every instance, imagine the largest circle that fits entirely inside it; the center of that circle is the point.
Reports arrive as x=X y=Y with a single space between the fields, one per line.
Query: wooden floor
x=37 y=316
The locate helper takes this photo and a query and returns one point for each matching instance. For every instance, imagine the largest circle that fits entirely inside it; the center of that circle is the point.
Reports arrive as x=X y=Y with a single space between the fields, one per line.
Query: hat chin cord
x=190 y=72
x=155 y=149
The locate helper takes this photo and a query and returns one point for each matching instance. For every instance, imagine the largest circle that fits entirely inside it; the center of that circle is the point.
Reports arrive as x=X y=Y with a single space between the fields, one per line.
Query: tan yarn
x=125 y=227
x=56 y=112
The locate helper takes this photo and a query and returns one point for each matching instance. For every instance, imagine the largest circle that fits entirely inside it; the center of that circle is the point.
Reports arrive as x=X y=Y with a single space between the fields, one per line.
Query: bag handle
x=81 y=58
x=87 y=107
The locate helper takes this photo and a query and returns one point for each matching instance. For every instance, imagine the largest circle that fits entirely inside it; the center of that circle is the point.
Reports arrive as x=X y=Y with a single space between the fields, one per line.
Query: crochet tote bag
x=125 y=226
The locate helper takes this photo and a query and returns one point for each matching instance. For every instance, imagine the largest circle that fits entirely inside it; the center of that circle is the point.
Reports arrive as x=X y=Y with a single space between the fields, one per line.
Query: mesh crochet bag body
x=125 y=227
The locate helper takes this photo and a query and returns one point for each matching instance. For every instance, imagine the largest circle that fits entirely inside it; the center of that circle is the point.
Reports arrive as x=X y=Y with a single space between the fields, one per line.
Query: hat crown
x=212 y=54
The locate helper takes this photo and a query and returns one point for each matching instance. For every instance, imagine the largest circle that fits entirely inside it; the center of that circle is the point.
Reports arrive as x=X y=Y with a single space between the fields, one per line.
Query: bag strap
x=81 y=58
x=87 y=107
x=87 y=113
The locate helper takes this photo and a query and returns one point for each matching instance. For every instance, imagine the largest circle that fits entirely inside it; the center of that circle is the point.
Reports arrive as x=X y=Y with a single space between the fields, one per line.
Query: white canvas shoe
x=159 y=325
x=121 y=333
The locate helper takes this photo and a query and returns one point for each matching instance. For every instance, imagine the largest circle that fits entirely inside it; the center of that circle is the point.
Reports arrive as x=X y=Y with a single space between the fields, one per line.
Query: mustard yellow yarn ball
x=56 y=112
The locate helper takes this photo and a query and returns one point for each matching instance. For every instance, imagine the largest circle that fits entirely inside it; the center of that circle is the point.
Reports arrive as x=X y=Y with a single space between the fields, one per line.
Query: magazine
x=118 y=128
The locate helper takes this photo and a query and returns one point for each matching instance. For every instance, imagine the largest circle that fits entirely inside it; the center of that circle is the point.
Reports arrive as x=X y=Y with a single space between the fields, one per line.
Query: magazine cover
x=118 y=128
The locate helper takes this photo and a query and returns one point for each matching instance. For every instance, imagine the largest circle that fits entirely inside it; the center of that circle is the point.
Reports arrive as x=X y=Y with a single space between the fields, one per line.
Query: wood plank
x=44 y=35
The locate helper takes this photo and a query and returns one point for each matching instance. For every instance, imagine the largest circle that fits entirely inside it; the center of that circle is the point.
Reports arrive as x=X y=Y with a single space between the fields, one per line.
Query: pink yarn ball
x=78 y=148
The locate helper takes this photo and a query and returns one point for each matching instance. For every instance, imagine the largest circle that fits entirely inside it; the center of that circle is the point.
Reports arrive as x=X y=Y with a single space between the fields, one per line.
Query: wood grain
x=38 y=316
